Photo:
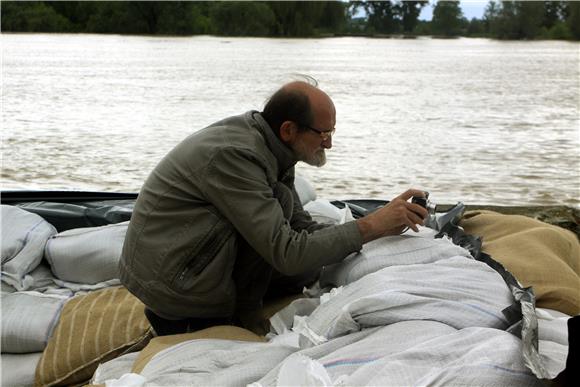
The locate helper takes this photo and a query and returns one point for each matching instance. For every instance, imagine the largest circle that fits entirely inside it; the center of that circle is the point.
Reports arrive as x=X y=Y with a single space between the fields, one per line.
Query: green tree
x=296 y=18
x=476 y=27
x=573 y=18
x=409 y=12
x=140 y=17
x=108 y=17
x=553 y=13
x=381 y=16
x=334 y=17
x=530 y=15
x=490 y=15
x=526 y=20
x=447 y=18
x=32 y=16
x=76 y=12
x=242 y=18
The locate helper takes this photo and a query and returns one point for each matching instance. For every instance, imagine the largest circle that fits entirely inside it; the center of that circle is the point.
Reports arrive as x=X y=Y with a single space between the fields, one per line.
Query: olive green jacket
x=231 y=180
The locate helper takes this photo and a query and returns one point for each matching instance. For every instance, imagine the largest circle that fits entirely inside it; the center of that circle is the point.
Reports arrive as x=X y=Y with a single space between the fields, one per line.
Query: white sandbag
x=40 y=279
x=344 y=355
x=87 y=255
x=24 y=236
x=552 y=325
x=36 y=280
x=127 y=380
x=343 y=360
x=18 y=370
x=213 y=363
x=322 y=211
x=302 y=371
x=115 y=369
x=28 y=319
x=552 y=340
x=283 y=320
x=459 y=292
x=305 y=190
x=404 y=249
x=386 y=341
x=469 y=357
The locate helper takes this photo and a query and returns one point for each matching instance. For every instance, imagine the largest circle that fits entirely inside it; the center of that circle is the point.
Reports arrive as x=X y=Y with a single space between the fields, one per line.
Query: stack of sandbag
x=81 y=257
x=28 y=317
x=406 y=310
x=41 y=271
x=457 y=291
x=28 y=321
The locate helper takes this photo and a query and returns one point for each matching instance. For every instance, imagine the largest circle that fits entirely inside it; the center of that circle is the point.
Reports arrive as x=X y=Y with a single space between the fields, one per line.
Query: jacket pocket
x=193 y=273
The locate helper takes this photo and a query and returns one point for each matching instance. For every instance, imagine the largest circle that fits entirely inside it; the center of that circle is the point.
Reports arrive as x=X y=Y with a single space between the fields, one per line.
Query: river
x=472 y=120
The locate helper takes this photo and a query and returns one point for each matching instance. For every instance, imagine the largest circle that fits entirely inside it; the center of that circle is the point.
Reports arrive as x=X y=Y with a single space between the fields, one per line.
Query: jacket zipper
x=211 y=250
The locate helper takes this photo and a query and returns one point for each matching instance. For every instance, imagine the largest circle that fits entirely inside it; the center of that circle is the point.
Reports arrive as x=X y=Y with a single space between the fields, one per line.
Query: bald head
x=299 y=102
x=320 y=102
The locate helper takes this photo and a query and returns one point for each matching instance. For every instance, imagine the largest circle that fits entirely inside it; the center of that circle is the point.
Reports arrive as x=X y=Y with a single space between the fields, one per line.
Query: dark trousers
x=165 y=327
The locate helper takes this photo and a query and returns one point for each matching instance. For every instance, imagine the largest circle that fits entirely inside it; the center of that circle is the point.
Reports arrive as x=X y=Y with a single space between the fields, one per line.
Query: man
x=220 y=212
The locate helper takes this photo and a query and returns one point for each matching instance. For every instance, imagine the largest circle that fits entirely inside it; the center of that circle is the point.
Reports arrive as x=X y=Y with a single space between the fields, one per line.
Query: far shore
x=318 y=36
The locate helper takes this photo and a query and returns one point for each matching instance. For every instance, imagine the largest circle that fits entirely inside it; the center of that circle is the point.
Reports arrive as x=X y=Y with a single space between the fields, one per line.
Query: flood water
x=472 y=120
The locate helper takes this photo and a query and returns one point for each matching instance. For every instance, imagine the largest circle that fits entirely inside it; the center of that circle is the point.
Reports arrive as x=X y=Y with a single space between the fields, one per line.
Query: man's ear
x=288 y=131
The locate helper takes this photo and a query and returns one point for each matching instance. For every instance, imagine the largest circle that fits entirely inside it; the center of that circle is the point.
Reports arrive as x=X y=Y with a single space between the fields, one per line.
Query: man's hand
x=393 y=218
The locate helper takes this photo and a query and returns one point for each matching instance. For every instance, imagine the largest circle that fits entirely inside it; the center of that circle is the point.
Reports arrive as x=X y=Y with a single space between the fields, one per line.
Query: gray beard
x=318 y=159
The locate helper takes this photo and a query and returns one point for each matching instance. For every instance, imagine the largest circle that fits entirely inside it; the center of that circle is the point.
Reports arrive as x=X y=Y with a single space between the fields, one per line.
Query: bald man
x=219 y=214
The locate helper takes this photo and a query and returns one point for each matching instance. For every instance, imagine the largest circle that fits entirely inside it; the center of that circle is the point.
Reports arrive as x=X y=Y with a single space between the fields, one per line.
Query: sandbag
x=304 y=189
x=540 y=255
x=114 y=369
x=322 y=211
x=87 y=255
x=24 y=236
x=457 y=291
x=469 y=357
x=18 y=369
x=213 y=363
x=28 y=319
x=345 y=354
x=406 y=249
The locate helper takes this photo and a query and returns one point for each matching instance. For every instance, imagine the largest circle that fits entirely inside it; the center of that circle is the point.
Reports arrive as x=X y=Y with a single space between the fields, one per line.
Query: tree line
x=501 y=20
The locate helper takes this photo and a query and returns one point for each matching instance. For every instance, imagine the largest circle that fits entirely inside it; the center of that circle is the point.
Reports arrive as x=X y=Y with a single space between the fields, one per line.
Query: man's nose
x=327 y=144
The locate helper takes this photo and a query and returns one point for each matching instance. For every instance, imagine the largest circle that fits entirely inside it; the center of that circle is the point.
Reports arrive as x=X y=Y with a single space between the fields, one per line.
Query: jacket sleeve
x=238 y=187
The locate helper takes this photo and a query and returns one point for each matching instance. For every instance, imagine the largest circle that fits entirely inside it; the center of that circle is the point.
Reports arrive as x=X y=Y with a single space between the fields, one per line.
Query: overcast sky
x=471 y=9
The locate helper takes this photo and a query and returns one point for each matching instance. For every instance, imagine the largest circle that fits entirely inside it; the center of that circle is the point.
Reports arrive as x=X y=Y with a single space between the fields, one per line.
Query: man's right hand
x=393 y=218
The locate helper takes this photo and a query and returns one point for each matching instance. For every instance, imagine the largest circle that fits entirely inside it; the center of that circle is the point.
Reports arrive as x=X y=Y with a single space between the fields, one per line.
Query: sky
x=471 y=9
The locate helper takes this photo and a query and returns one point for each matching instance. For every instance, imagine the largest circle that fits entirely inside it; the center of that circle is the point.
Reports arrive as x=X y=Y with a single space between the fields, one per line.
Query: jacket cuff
x=352 y=236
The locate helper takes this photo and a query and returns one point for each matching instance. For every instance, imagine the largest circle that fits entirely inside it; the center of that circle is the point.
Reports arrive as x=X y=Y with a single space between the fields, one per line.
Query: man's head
x=303 y=117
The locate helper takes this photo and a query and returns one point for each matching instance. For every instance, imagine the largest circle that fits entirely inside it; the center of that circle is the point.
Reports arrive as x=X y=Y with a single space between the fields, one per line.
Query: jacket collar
x=283 y=154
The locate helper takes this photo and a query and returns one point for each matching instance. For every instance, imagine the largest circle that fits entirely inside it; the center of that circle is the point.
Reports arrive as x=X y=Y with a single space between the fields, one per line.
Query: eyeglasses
x=324 y=134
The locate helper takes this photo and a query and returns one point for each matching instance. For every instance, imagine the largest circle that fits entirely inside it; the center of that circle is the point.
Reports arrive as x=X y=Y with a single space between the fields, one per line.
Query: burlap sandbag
x=92 y=329
x=540 y=255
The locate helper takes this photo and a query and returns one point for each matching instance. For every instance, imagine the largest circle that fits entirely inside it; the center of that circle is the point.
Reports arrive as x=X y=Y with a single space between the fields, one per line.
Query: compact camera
x=425 y=203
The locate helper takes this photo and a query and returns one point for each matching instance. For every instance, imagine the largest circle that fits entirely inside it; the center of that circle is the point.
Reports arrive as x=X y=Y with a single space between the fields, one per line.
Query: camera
x=425 y=203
